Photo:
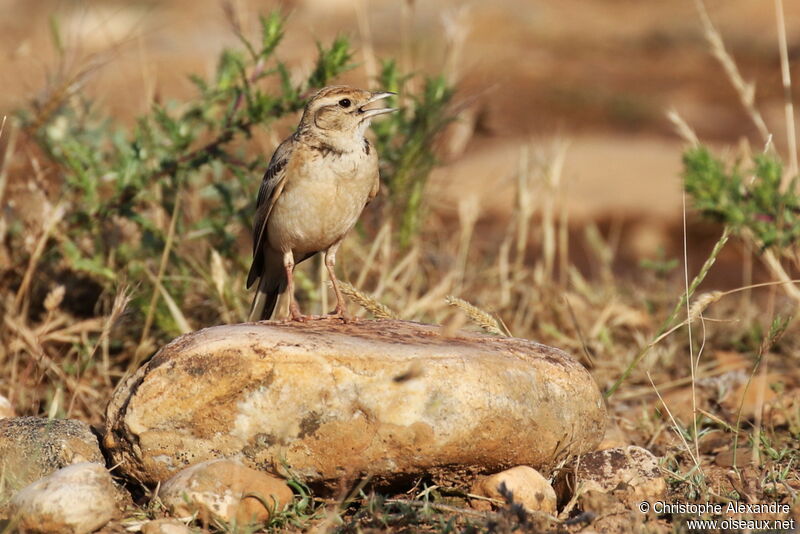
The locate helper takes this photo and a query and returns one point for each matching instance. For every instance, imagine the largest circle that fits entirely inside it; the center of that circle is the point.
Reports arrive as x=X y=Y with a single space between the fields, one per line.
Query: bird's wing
x=271 y=188
x=376 y=185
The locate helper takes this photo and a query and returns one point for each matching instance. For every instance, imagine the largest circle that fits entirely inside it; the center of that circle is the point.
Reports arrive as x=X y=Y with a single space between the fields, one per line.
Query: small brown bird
x=317 y=184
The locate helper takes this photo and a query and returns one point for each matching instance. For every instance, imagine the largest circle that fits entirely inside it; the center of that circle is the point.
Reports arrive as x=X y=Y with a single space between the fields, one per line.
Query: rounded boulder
x=77 y=499
x=327 y=400
x=33 y=447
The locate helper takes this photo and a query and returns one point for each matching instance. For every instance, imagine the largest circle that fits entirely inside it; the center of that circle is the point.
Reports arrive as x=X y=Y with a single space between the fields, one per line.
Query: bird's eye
x=345 y=102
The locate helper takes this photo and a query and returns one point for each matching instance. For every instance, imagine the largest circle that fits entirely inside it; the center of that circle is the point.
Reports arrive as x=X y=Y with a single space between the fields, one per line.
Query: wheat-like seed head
x=480 y=317
x=702 y=302
x=378 y=309
x=54 y=298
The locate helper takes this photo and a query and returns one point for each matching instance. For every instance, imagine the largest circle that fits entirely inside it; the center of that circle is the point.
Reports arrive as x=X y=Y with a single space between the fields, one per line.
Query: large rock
x=33 y=447
x=388 y=398
x=74 y=500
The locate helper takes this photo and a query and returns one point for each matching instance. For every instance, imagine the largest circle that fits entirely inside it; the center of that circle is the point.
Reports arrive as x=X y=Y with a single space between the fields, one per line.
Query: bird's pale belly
x=317 y=212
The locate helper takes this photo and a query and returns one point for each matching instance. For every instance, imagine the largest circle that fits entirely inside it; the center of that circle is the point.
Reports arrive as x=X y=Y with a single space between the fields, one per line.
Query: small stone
x=32 y=448
x=333 y=400
x=631 y=473
x=165 y=526
x=6 y=410
x=77 y=499
x=750 y=394
x=739 y=457
x=225 y=490
x=529 y=488
x=783 y=409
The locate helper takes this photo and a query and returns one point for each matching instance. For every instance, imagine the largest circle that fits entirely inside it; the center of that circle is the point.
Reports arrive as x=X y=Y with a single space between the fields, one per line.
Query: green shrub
x=405 y=144
x=747 y=201
x=122 y=188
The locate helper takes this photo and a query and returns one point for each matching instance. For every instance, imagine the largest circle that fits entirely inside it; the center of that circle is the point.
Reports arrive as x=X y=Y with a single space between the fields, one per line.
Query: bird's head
x=343 y=112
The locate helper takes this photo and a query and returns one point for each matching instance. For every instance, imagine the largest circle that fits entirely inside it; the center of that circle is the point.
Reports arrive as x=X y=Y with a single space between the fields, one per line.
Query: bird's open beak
x=369 y=113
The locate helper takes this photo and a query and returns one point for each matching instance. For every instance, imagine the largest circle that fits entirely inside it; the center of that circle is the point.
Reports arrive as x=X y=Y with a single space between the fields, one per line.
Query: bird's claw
x=341 y=313
x=294 y=311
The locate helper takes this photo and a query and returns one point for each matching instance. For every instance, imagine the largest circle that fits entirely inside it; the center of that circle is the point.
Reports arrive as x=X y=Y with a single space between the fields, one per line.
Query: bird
x=317 y=183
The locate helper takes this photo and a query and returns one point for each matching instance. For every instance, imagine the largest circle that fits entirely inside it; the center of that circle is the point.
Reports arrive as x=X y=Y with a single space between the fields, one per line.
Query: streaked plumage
x=317 y=184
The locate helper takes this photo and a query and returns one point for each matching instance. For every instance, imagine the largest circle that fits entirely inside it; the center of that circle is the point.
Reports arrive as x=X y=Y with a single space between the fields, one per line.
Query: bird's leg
x=330 y=263
x=288 y=265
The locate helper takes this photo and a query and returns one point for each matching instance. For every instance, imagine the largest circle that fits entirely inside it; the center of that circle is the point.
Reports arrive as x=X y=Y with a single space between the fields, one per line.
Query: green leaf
x=757 y=204
x=271 y=33
x=80 y=263
x=331 y=62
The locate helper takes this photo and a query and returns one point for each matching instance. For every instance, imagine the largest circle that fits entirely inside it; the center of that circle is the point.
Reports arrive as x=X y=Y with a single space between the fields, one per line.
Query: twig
x=779 y=272
x=161 y=269
x=9 y=152
x=695 y=459
x=720 y=244
x=53 y=219
x=692 y=363
x=745 y=90
x=575 y=322
x=682 y=128
x=786 y=78
x=121 y=300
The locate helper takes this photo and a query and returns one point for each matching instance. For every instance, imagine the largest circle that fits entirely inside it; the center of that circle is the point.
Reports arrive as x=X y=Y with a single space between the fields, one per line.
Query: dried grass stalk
x=745 y=90
x=682 y=128
x=378 y=309
x=702 y=302
x=54 y=298
x=480 y=317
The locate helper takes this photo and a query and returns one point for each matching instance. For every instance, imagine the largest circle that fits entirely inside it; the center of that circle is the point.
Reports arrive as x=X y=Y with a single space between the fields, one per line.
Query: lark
x=317 y=184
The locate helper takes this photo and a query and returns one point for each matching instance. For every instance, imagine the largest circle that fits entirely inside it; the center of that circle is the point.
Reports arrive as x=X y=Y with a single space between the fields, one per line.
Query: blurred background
x=593 y=80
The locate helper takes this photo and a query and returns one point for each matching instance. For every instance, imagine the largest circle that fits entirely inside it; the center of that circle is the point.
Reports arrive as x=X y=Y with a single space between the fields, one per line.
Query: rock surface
x=6 y=409
x=165 y=526
x=631 y=473
x=528 y=486
x=226 y=490
x=32 y=448
x=388 y=398
x=74 y=500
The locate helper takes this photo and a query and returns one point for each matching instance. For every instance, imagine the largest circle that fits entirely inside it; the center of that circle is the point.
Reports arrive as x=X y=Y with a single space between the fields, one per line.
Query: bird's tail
x=270 y=287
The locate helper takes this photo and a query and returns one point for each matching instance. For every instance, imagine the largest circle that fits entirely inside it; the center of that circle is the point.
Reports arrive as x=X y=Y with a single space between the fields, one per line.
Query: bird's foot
x=341 y=313
x=295 y=314
x=338 y=314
